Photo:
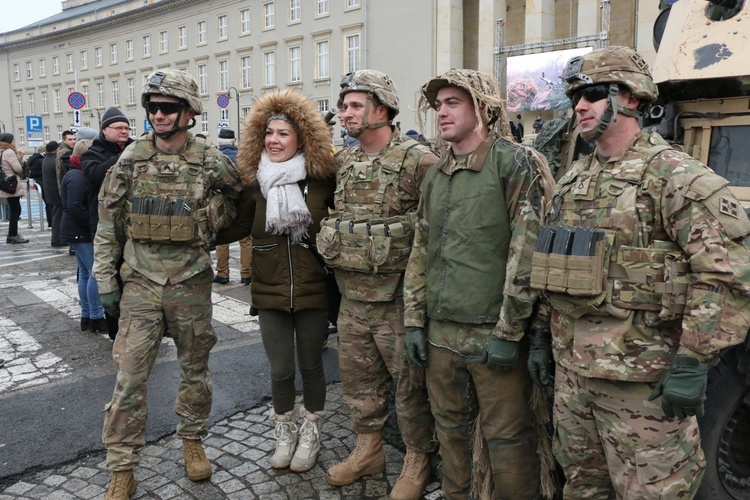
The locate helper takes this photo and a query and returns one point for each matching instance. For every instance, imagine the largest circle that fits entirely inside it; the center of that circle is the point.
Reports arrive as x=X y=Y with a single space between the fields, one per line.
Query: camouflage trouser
x=459 y=387
x=612 y=442
x=371 y=356
x=186 y=307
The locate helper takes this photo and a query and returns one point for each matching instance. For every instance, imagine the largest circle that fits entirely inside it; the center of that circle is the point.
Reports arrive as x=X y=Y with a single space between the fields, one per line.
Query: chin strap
x=358 y=131
x=610 y=114
x=175 y=128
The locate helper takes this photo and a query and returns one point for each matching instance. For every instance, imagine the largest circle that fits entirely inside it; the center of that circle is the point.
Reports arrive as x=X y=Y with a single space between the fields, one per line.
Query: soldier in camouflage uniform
x=368 y=241
x=640 y=313
x=466 y=292
x=158 y=209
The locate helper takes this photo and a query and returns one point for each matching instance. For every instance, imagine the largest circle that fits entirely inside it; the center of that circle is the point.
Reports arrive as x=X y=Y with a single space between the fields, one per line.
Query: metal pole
x=28 y=202
x=237 y=96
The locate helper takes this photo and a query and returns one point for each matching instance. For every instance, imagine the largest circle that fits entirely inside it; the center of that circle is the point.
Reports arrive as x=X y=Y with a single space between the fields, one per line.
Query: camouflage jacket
x=471 y=258
x=681 y=207
x=359 y=190
x=158 y=262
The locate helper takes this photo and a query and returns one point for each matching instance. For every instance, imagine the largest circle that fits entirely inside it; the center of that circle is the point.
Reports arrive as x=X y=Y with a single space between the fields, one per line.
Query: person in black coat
x=35 y=172
x=75 y=230
x=51 y=191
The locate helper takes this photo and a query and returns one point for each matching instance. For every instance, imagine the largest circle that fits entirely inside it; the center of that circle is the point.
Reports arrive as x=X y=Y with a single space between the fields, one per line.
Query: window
x=58 y=101
x=268 y=15
x=59 y=133
x=295 y=64
x=202 y=79
x=204 y=122
x=245 y=64
x=55 y=65
x=147 y=46
x=352 y=53
x=131 y=122
x=113 y=53
x=244 y=21
x=42 y=68
x=350 y=4
x=223 y=76
x=131 y=90
x=245 y=111
x=29 y=71
x=201 y=32
x=322 y=69
x=45 y=102
x=128 y=50
x=223 y=31
x=19 y=105
x=21 y=135
x=182 y=37
x=323 y=105
x=98 y=56
x=100 y=95
x=322 y=7
x=269 y=61
x=69 y=63
x=163 y=42
x=84 y=59
x=294 y=11
x=32 y=104
x=16 y=72
x=85 y=92
x=115 y=93
x=46 y=133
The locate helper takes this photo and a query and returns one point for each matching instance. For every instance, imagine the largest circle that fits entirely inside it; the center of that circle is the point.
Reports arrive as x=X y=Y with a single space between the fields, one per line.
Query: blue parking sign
x=33 y=123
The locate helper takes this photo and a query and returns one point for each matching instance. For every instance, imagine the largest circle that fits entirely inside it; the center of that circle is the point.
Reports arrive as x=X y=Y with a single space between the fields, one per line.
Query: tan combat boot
x=197 y=464
x=414 y=476
x=285 y=432
x=367 y=458
x=308 y=447
x=121 y=486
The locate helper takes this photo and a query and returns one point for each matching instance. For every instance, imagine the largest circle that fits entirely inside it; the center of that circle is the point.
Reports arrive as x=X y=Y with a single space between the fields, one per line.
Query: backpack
x=8 y=183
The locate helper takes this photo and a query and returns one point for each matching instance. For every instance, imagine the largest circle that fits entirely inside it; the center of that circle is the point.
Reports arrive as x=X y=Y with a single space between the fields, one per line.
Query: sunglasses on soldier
x=167 y=108
x=592 y=93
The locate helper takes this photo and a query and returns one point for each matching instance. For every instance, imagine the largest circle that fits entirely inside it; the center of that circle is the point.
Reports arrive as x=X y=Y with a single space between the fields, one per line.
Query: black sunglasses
x=167 y=108
x=592 y=93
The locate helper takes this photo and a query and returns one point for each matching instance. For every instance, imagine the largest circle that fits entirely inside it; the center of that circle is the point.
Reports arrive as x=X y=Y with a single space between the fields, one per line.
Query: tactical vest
x=170 y=199
x=361 y=236
x=625 y=270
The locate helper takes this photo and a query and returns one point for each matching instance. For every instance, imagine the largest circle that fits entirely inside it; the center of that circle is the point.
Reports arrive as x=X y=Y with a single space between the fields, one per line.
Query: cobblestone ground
x=240 y=449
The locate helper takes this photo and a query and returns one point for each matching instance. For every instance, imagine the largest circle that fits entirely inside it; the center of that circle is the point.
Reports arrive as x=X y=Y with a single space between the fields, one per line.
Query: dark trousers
x=57 y=213
x=14 y=204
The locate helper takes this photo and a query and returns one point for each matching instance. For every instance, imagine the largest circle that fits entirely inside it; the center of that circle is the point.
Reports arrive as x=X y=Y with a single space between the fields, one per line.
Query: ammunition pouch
x=371 y=244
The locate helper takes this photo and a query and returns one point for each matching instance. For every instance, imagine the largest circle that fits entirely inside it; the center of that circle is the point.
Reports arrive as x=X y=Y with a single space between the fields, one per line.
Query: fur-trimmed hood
x=314 y=139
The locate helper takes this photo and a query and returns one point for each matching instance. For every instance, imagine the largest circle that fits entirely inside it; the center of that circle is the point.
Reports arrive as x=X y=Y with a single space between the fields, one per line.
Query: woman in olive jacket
x=286 y=164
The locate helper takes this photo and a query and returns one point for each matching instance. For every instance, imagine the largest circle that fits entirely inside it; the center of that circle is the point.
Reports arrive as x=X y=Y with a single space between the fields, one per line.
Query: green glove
x=111 y=302
x=501 y=354
x=683 y=388
x=540 y=357
x=416 y=346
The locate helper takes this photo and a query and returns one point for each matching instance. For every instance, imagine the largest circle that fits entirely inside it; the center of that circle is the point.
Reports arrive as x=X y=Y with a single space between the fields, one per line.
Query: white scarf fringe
x=286 y=210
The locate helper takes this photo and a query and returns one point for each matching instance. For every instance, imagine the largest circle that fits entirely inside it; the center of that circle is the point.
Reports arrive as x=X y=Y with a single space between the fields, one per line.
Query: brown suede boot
x=414 y=476
x=367 y=458
x=197 y=464
x=122 y=485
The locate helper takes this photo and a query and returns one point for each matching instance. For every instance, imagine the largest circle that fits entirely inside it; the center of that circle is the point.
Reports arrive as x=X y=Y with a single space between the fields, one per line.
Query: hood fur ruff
x=314 y=140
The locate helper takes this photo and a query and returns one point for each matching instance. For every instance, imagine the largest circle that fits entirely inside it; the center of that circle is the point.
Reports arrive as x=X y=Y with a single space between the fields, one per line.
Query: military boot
x=309 y=440
x=285 y=433
x=367 y=458
x=414 y=476
x=122 y=485
x=197 y=464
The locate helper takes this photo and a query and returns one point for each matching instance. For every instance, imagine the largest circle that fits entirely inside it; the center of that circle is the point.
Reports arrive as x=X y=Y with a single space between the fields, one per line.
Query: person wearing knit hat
x=6 y=137
x=113 y=115
x=51 y=146
x=10 y=163
x=86 y=133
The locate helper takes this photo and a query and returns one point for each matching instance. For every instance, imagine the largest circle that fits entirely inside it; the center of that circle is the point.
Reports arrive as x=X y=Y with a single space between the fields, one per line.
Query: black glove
x=501 y=354
x=540 y=357
x=683 y=388
x=416 y=346
x=111 y=302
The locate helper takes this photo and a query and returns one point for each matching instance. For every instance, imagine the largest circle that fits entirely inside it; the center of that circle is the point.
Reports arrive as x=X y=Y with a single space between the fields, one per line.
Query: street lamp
x=98 y=115
x=237 y=96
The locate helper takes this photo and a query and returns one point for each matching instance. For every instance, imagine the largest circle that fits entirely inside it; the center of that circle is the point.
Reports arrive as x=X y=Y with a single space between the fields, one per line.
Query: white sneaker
x=285 y=433
x=309 y=441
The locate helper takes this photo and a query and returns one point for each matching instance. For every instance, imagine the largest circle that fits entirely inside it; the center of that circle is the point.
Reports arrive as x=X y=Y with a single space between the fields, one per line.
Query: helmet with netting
x=621 y=65
x=175 y=83
x=481 y=86
x=374 y=82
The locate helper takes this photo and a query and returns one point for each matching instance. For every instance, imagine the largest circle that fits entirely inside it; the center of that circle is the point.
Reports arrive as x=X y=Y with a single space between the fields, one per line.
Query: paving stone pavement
x=240 y=449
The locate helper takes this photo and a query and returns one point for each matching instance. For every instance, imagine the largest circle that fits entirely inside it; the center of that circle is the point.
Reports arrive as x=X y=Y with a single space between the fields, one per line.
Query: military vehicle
x=702 y=69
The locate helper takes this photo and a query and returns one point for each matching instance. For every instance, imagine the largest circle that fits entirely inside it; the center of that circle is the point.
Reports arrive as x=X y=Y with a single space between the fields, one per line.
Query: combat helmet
x=374 y=83
x=614 y=66
x=175 y=83
x=482 y=88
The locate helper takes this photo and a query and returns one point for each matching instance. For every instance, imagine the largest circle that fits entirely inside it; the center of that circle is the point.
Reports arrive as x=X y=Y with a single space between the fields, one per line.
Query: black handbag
x=8 y=183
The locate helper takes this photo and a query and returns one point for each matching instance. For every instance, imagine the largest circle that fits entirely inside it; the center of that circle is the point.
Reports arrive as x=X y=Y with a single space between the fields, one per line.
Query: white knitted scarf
x=286 y=210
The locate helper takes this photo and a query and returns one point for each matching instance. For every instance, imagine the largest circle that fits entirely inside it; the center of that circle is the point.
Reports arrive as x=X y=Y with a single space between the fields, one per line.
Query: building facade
x=104 y=49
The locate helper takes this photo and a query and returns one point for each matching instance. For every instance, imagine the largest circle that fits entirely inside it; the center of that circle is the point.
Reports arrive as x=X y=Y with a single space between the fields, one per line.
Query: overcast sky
x=26 y=12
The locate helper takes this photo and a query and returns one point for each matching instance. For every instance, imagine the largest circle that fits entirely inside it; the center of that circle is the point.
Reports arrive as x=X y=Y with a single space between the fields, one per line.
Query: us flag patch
x=729 y=207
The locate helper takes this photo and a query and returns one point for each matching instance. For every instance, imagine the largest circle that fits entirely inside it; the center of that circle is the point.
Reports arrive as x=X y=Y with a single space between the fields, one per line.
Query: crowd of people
x=476 y=293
